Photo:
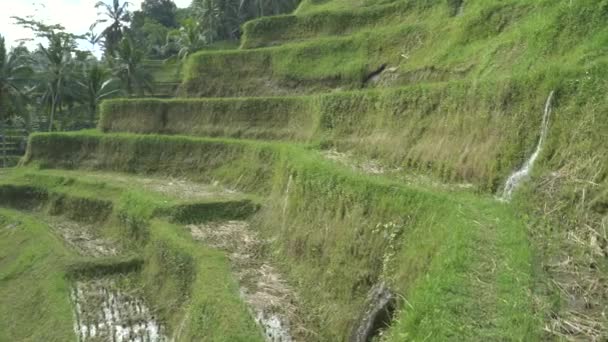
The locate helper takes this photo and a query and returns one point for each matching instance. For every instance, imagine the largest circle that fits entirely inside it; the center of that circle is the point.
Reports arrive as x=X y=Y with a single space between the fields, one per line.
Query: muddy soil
x=272 y=302
x=374 y=167
x=103 y=310
x=171 y=187
x=83 y=238
x=365 y=166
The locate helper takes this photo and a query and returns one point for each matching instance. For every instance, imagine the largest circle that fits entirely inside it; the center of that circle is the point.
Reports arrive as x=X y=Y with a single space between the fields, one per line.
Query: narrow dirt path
x=83 y=238
x=272 y=302
x=177 y=188
x=375 y=167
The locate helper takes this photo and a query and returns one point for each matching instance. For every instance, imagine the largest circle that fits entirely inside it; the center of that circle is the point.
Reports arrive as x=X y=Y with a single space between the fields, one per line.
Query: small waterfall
x=516 y=178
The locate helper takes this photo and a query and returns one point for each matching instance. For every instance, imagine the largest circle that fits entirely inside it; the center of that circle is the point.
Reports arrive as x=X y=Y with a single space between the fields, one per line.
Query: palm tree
x=92 y=37
x=95 y=85
x=221 y=19
x=259 y=8
x=209 y=14
x=118 y=16
x=187 y=39
x=55 y=68
x=53 y=64
x=127 y=66
x=14 y=70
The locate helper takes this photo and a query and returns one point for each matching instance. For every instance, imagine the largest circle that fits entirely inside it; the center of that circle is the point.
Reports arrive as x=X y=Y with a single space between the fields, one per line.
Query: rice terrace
x=304 y=170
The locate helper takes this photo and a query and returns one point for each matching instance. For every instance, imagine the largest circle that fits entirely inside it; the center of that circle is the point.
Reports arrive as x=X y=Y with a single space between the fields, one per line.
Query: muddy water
x=104 y=312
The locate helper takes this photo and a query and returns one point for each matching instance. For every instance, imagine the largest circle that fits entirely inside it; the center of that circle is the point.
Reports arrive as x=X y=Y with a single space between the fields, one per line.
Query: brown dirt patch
x=272 y=302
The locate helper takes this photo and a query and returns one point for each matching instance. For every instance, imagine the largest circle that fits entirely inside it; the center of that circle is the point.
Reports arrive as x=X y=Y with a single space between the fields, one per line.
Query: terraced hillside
x=338 y=177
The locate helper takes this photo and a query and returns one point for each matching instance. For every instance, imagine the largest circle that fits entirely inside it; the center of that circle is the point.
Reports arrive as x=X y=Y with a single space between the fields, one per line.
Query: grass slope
x=472 y=132
x=189 y=286
x=34 y=292
x=285 y=118
x=461 y=99
x=489 y=40
x=281 y=29
x=337 y=233
x=193 y=285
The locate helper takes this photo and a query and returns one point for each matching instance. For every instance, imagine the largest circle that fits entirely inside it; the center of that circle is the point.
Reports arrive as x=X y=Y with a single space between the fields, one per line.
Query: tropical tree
x=96 y=83
x=155 y=38
x=56 y=67
x=93 y=38
x=161 y=11
x=259 y=8
x=14 y=71
x=187 y=39
x=209 y=14
x=127 y=65
x=117 y=15
x=222 y=19
x=53 y=63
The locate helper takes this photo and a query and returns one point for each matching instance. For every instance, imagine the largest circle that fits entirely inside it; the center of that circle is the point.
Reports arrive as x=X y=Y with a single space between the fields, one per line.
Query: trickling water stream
x=516 y=178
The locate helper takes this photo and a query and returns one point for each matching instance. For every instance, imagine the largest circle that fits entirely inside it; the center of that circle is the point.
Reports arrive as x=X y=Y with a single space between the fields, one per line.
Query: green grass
x=477 y=85
x=164 y=72
x=92 y=198
x=185 y=281
x=299 y=68
x=490 y=40
x=486 y=266
x=461 y=131
x=192 y=282
x=277 y=118
x=325 y=229
x=166 y=76
x=461 y=101
x=34 y=293
x=281 y=29
x=311 y=6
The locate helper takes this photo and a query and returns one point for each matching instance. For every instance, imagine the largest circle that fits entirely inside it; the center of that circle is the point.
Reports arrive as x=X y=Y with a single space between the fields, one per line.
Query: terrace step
x=316 y=66
x=77 y=195
x=282 y=29
x=356 y=213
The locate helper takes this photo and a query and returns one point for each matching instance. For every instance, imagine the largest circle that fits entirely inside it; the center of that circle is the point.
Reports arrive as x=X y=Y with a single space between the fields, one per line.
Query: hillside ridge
x=349 y=146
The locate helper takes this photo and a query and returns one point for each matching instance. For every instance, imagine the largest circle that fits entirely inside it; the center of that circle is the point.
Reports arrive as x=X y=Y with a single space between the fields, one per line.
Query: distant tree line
x=58 y=86
x=162 y=30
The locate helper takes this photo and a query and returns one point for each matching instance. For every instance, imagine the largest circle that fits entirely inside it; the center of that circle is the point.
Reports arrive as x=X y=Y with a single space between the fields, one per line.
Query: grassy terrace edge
x=459 y=131
x=34 y=301
x=331 y=226
x=276 y=30
x=297 y=68
x=189 y=285
x=489 y=40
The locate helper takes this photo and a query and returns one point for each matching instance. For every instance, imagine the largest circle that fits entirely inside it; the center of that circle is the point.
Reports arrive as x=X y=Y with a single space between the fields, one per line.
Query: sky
x=75 y=15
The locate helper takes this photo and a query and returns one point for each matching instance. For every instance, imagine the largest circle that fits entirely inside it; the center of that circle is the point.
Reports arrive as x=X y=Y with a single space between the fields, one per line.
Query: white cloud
x=75 y=15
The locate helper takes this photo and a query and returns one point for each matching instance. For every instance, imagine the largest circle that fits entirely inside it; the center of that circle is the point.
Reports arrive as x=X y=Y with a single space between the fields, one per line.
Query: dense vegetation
x=58 y=85
x=371 y=139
